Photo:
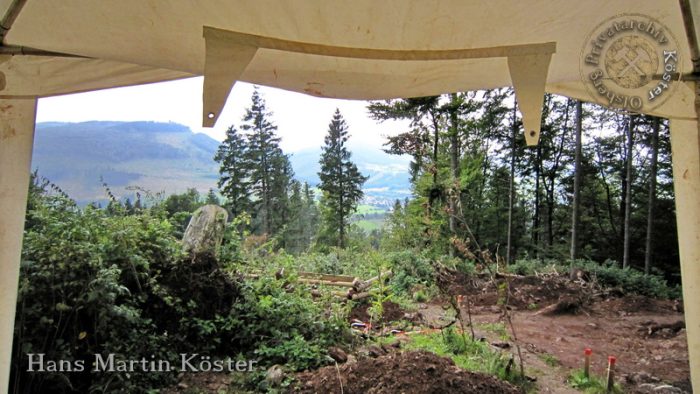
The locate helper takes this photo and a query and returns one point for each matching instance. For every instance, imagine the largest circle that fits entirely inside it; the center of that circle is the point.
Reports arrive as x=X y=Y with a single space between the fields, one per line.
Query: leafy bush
x=629 y=280
x=84 y=279
x=283 y=325
x=410 y=269
x=114 y=282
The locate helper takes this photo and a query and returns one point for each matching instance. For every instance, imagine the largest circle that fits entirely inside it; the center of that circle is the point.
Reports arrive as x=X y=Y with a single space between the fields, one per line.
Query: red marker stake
x=587 y=364
x=611 y=372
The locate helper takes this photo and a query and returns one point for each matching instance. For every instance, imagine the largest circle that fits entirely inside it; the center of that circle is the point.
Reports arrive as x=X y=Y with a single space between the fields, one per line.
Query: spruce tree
x=212 y=198
x=341 y=182
x=268 y=167
x=311 y=215
x=234 y=171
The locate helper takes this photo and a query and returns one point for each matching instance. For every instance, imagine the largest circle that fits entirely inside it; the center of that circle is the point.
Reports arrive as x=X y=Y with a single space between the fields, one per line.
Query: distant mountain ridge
x=169 y=157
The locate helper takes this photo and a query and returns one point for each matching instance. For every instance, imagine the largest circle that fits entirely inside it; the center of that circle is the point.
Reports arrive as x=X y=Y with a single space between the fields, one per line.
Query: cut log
x=361 y=296
x=564 y=306
x=332 y=278
x=360 y=286
x=324 y=282
x=205 y=232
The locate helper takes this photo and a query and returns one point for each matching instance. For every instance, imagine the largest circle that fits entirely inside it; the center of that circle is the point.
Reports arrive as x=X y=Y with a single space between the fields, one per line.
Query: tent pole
x=685 y=146
x=17 y=117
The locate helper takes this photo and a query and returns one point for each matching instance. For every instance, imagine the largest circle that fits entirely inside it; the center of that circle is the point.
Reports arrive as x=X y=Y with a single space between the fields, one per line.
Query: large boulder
x=205 y=232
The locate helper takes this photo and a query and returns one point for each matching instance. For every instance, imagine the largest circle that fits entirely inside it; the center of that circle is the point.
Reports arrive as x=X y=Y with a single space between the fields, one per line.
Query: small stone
x=666 y=389
x=183 y=385
x=351 y=360
x=274 y=375
x=375 y=351
x=592 y=325
x=502 y=345
x=337 y=354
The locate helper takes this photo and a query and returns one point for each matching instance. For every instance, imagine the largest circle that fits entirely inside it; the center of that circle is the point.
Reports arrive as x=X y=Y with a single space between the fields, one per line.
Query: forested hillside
x=171 y=158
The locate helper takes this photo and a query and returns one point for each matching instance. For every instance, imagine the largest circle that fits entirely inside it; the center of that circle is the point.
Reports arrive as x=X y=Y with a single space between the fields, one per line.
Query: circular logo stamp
x=629 y=62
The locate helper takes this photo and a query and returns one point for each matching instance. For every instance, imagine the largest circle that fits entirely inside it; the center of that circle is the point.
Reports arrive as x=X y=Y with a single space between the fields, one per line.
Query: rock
x=415 y=317
x=667 y=389
x=274 y=376
x=205 y=232
x=375 y=351
x=183 y=385
x=641 y=377
x=658 y=388
x=337 y=354
x=502 y=345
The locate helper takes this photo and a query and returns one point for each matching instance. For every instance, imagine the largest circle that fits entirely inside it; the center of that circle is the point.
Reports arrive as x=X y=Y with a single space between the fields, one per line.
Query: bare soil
x=646 y=335
x=400 y=372
x=391 y=311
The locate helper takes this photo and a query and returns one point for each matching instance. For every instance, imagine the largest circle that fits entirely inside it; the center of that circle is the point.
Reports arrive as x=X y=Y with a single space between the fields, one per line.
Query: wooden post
x=17 y=118
x=611 y=374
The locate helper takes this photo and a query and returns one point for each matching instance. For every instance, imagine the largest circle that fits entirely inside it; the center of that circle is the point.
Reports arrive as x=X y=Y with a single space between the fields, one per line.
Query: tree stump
x=205 y=232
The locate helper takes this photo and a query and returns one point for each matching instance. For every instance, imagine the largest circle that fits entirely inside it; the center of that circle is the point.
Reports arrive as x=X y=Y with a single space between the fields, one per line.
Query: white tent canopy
x=360 y=49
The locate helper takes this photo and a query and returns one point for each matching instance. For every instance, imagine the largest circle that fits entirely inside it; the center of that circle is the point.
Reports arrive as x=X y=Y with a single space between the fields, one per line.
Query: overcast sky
x=302 y=119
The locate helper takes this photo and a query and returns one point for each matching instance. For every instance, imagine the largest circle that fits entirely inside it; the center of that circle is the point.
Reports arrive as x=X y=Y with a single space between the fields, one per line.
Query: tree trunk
x=648 y=253
x=536 y=218
x=576 y=210
x=436 y=144
x=628 y=193
x=454 y=167
x=511 y=190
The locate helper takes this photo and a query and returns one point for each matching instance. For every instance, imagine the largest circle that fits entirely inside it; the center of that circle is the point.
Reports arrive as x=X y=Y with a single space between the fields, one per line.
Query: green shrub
x=409 y=270
x=112 y=282
x=420 y=296
x=84 y=279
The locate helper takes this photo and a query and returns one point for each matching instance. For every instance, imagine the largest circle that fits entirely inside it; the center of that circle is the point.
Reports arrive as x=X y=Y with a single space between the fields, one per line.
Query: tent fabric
x=165 y=39
x=38 y=76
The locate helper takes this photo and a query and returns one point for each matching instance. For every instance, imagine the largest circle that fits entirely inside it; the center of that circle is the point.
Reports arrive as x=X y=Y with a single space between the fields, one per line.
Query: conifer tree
x=268 y=167
x=234 y=171
x=341 y=182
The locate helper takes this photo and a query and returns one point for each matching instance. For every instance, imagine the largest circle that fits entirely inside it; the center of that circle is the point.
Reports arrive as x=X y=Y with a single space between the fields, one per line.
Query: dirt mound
x=391 y=311
x=632 y=304
x=531 y=292
x=408 y=372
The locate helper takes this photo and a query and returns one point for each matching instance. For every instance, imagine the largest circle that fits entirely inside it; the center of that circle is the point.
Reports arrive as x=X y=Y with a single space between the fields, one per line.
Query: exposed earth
x=555 y=319
x=400 y=372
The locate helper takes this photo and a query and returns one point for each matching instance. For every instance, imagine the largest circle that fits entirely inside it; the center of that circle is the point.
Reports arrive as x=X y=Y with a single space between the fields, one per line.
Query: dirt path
x=553 y=345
